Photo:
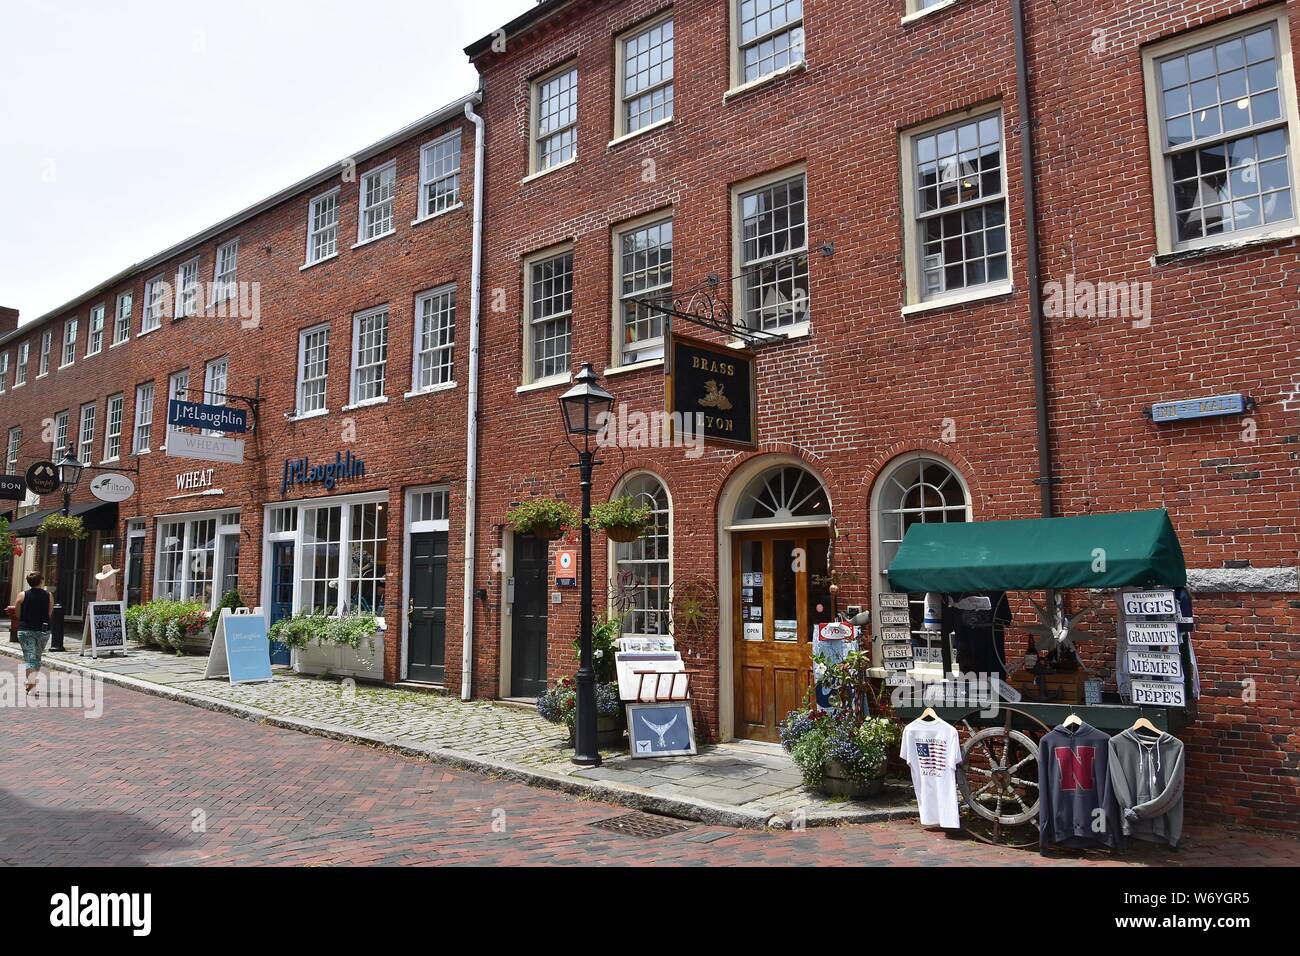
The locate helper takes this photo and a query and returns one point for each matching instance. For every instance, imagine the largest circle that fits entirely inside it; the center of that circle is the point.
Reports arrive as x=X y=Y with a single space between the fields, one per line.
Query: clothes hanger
x=1143 y=724
x=1074 y=720
x=929 y=714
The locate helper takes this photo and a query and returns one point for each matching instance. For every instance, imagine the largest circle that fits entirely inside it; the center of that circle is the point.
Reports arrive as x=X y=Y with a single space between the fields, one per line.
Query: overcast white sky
x=129 y=125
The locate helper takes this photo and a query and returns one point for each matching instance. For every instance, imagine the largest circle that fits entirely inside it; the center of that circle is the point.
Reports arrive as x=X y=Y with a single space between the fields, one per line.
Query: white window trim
x=621 y=133
x=72 y=324
x=137 y=414
x=415 y=343
x=535 y=168
x=611 y=560
x=178 y=292
x=357 y=318
x=188 y=518
x=25 y=365
x=117 y=307
x=916 y=12
x=362 y=199
x=108 y=426
x=914 y=301
x=93 y=408
x=45 y=353
x=423 y=202
x=798 y=329
x=527 y=382
x=665 y=214
x=738 y=83
x=1167 y=247
x=221 y=290
x=298 y=414
x=102 y=309
x=145 y=306
x=308 y=261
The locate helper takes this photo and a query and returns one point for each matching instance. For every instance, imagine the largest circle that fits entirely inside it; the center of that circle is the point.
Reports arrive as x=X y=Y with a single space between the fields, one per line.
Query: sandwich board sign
x=105 y=629
x=241 y=650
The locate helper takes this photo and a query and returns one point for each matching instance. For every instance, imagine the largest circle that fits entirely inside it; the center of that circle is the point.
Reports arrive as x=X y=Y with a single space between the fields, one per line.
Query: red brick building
x=850 y=176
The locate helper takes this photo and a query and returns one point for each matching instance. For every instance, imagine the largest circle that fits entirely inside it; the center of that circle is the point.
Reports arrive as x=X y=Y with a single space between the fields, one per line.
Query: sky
x=129 y=125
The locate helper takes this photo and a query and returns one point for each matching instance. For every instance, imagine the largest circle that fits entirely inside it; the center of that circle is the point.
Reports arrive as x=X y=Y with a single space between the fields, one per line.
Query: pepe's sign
x=711 y=391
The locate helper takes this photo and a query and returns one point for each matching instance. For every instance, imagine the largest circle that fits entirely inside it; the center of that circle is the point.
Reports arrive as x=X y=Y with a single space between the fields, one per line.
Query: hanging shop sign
x=1214 y=405
x=1145 y=664
x=1154 y=693
x=1160 y=603
x=12 y=488
x=205 y=447
x=710 y=391
x=1151 y=633
x=217 y=418
x=112 y=487
x=104 y=631
x=300 y=471
x=566 y=570
x=43 y=478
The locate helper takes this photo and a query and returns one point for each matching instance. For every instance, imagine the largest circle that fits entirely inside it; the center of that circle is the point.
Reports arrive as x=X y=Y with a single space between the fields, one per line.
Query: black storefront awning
x=98 y=515
x=25 y=527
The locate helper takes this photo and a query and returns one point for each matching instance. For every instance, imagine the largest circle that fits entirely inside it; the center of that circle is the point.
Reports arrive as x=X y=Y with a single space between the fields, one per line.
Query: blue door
x=281 y=593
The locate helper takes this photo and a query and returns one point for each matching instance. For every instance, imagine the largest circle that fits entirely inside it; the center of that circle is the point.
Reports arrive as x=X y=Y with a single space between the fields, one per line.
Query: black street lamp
x=69 y=477
x=583 y=408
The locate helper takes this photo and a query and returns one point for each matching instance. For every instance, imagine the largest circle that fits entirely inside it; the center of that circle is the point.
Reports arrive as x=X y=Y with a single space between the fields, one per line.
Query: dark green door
x=528 y=619
x=134 y=569
x=427 y=608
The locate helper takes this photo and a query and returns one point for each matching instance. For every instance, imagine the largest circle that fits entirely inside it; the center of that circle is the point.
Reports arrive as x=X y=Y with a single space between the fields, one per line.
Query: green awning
x=1138 y=549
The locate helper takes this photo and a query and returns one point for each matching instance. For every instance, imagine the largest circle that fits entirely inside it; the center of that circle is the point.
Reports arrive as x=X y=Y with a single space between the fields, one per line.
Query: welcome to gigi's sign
x=711 y=391
x=301 y=471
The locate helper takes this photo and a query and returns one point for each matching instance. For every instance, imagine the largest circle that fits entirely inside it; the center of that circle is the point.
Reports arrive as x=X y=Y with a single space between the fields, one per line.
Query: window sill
x=431 y=390
x=545 y=383
x=365 y=242
x=90 y=355
x=143 y=332
x=634 y=367
x=658 y=124
x=800 y=331
x=762 y=81
x=318 y=413
x=142 y=451
x=116 y=344
x=62 y=367
x=437 y=215
x=109 y=461
x=1229 y=245
x=367 y=403
x=42 y=375
x=307 y=265
x=965 y=298
x=531 y=177
x=18 y=385
x=921 y=14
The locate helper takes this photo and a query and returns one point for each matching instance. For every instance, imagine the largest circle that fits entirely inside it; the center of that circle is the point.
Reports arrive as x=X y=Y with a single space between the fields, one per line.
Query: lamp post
x=69 y=477
x=583 y=408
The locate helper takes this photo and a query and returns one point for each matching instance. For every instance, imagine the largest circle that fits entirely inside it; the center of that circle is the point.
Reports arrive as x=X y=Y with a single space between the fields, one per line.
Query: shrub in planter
x=620 y=519
x=838 y=754
x=559 y=705
x=603 y=635
x=62 y=526
x=349 y=630
x=230 y=599
x=166 y=624
x=544 y=517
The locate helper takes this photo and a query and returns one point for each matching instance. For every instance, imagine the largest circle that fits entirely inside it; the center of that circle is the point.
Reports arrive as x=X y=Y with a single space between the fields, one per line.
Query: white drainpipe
x=471 y=424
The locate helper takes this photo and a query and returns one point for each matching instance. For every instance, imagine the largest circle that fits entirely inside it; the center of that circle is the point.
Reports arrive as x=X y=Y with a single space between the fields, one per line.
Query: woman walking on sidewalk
x=34 y=607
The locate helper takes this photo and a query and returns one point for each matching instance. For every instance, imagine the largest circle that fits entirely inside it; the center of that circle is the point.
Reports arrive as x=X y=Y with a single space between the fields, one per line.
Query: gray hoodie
x=1146 y=774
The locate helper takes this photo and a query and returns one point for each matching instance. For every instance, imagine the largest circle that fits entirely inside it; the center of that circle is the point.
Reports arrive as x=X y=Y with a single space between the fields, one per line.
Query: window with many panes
x=769 y=37
x=550 y=312
x=122 y=319
x=313 y=368
x=47 y=339
x=143 y=418
x=435 y=339
x=773 y=253
x=60 y=435
x=440 y=175
x=225 y=272
x=957 y=207
x=644 y=254
x=367 y=568
x=155 y=302
x=322 y=543
x=377 y=188
x=323 y=227
x=113 y=428
x=369 y=354
x=4 y=371
x=170 y=576
x=1224 y=118
x=69 y=343
x=20 y=372
x=86 y=434
x=188 y=558
x=95 y=334
x=187 y=289
x=642 y=582
x=11 y=452
x=216 y=376
x=555 y=119
x=645 y=77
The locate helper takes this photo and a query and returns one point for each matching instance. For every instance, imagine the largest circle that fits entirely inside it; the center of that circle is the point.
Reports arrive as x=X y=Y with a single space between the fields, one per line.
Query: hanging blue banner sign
x=1199 y=408
x=217 y=418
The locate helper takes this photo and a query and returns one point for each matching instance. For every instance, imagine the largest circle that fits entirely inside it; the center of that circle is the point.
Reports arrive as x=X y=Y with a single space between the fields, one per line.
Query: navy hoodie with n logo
x=1076 y=803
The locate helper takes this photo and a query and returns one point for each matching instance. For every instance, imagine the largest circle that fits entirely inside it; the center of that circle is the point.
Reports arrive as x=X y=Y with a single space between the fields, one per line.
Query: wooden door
x=780 y=589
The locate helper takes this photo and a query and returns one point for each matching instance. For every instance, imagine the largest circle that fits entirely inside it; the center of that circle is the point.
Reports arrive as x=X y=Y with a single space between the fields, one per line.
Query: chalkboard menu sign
x=711 y=391
x=105 y=628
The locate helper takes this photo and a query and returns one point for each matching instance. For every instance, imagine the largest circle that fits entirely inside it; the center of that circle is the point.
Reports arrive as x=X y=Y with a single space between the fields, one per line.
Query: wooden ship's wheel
x=998 y=779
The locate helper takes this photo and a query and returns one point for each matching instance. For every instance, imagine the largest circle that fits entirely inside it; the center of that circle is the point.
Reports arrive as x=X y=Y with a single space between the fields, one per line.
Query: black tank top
x=35 y=614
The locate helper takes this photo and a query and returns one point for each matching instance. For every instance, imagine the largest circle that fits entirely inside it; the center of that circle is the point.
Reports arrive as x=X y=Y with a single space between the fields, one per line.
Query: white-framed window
x=178 y=386
x=47 y=341
x=86 y=434
x=1222 y=118
x=20 y=370
x=143 y=418
x=426 y=510
x=313 y=368
x=955 y=223
x=187 y=289
x=216 y=377
x=156 y=291
x=377 y=188
x=122 y=318
x=369 y=354
x=771 y=217
x=549 y=288
x=194 y=557
x=4 y=371
x=11 y=452
x=95 y=334
x=323 y=227
x=60 y=446
x=642 y=586
x=645 y=76
x=113 y=428
x=226 y=271
x=69 y=343
x=440 y=175
x=767 y=37
x=435 y=339
x=555 y=119
x=643 y=263
x=367 y=567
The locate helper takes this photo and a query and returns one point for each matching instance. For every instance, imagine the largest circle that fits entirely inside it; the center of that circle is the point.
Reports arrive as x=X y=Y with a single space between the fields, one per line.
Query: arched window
x=643 y=568
x=783 y=494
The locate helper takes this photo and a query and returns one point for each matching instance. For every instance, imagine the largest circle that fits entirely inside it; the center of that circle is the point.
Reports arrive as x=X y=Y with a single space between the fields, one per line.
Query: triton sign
x=300 y=471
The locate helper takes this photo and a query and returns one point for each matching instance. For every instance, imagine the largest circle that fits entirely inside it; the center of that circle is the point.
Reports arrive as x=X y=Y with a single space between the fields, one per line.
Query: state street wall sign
x=301 y=471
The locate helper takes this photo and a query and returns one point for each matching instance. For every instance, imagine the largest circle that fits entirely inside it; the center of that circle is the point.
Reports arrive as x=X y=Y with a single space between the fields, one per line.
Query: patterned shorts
x=33 y=644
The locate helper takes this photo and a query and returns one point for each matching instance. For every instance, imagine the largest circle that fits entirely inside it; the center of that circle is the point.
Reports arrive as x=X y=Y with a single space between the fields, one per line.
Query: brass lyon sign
x=711 y=391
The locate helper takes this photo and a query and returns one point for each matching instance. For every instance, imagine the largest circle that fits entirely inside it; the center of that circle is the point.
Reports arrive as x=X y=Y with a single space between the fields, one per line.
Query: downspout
x=471 y=420
x=1045 y=475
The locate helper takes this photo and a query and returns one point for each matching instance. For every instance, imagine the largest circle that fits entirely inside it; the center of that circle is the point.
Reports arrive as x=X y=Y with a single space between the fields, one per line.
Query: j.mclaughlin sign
x=300 y=471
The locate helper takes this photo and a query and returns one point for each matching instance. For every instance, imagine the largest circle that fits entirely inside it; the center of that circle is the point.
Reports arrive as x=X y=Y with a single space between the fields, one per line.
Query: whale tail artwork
x=660 y=729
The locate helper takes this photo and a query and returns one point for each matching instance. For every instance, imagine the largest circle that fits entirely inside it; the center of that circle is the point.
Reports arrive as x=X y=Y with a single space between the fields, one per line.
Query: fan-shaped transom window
x=920 y=490
x=642 y=568
x=782 y=494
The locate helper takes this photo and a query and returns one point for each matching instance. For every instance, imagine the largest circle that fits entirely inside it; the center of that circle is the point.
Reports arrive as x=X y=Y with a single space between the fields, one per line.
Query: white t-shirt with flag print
x=933 y=751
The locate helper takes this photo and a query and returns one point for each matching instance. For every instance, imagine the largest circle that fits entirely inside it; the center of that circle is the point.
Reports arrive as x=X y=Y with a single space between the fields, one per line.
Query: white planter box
x=336 y=661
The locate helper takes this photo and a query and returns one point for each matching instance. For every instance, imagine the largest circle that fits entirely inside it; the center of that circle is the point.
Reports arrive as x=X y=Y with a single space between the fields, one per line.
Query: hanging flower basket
x=62 y=526
x=546 y=518
x=620 y=519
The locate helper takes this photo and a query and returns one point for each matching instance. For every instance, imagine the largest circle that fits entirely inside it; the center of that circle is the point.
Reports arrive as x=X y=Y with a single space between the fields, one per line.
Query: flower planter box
x=836 y=783
x=333 y=660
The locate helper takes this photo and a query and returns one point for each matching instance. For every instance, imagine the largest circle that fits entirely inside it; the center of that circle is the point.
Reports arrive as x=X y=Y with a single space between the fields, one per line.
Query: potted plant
x=350 y=645
x=230 y=599
x=621 y=519
x=546 y=518
x=62 y=526
x=168 y=625
x=559 y=705
x=6 y=539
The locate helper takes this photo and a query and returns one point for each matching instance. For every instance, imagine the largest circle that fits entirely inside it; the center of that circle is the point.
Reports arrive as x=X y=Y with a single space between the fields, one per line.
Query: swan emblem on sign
x=661 y=729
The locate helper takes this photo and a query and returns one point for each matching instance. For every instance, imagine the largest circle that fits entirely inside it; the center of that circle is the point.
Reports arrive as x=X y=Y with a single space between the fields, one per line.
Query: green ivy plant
x=620 y=518
x=62 y=526
x=6 y=539
x=544 y=517
x=346 y=631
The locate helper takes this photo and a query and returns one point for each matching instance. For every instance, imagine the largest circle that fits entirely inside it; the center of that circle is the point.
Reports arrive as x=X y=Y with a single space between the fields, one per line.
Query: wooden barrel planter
x=837 y=783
